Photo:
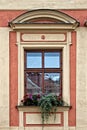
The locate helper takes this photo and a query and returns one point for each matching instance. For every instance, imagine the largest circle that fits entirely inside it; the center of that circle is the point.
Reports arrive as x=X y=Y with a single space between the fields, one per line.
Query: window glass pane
x=34 y=60
x=52 y=83
x=33 y=83
x=52 y=60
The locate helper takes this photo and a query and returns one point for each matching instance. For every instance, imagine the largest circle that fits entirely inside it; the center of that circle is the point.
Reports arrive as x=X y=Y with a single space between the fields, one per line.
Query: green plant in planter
x=48 y=104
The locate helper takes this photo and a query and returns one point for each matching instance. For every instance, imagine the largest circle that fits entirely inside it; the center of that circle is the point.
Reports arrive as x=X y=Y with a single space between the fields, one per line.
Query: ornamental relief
x=53 y=37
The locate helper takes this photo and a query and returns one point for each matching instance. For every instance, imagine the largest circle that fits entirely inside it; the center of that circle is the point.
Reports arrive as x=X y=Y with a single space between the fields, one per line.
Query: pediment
x=45 y=19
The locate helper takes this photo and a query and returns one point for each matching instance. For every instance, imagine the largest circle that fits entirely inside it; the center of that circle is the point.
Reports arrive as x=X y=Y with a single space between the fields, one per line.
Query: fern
x=48 y=105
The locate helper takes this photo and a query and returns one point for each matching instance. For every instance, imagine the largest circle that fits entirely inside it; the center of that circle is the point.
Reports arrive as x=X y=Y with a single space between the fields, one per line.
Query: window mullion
x=42 y=59
x=43 y=71
x=42 y=80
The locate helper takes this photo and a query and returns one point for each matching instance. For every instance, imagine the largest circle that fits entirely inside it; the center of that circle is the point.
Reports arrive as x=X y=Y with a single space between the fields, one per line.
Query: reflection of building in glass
x=52 y=83
x=33 y=83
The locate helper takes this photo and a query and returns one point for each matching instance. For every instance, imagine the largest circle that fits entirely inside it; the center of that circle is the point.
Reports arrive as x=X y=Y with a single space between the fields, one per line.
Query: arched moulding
x=85 y=24
x=44 y=19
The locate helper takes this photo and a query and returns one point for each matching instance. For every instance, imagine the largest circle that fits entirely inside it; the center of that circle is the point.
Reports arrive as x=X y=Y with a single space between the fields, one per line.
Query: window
x=43 y=72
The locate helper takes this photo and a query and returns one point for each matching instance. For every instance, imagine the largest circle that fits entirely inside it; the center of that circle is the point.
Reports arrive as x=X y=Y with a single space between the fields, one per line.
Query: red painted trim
x=79 y=15
x=8 y=15
x=40 y=125
x=72 y=112
x=14 y=117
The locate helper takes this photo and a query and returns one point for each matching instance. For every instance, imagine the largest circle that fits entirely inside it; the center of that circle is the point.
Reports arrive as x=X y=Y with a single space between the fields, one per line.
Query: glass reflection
x=33 y=83
x=52 y=60
x=34 y=60
x=52 y=83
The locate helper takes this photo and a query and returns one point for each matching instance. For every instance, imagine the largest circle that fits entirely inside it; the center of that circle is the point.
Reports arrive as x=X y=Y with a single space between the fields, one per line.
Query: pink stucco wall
x=13 y=79
x=8 y=15
x=72 y=112
x=79 y=15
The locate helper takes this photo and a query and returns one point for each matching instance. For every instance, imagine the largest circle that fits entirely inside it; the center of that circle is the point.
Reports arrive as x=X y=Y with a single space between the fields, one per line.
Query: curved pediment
x=44 y=18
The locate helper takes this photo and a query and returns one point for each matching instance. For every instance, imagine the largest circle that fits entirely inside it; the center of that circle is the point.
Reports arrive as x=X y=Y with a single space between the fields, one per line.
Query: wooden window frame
x=43 y=70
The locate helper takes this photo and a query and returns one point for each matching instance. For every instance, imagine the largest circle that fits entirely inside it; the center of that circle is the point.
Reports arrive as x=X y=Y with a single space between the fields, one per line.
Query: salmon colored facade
x=68 y=33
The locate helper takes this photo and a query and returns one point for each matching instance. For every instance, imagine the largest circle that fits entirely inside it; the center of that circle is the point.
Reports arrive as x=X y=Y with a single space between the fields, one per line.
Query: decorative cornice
x=34 y=26
x=58 y=20
x=85 y=24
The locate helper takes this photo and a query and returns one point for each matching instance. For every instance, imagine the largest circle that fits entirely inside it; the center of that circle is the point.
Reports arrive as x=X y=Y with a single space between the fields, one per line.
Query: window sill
x=37 y=109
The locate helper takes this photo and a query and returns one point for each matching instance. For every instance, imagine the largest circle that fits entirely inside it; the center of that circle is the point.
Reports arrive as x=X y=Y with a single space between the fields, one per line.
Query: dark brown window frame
x=43 y=70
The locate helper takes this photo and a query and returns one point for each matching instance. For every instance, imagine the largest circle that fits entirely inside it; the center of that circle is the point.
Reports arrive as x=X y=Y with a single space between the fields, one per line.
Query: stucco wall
x=4 y=77
x=81 y=95
x=44 y=4
x=81 y=57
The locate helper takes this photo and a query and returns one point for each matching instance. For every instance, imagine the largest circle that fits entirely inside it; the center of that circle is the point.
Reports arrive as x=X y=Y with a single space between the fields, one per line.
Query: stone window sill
x=37 y=109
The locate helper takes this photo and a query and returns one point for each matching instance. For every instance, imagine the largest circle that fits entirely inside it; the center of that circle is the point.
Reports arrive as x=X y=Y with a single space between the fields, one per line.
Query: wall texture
x=81 y=77
x=4 y=77
x=51 y=4
x=9 y=10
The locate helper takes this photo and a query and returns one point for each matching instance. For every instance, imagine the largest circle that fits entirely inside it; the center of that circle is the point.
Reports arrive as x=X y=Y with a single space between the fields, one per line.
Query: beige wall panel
x=72 y=128
x=4 y=77
x=81 y=128
x=45 y=128
x=36 y=119
x=35 y=4
x=43 y=37
x=4 y=119
x=6 y=128
x=81 y=90
x=40 y=128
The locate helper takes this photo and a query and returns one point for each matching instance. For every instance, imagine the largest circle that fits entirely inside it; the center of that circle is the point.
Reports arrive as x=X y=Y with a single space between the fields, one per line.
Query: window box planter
x=47 y=105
